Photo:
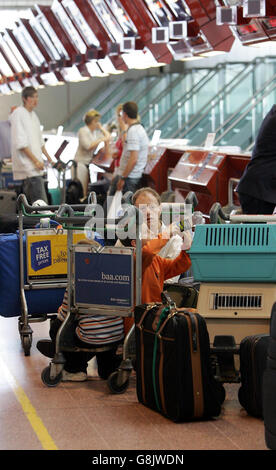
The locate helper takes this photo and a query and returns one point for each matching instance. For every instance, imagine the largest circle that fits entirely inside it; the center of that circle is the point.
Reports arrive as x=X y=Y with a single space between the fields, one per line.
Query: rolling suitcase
x=7 y=202
x=173 y=367
x=253 y=355
x=269 y=386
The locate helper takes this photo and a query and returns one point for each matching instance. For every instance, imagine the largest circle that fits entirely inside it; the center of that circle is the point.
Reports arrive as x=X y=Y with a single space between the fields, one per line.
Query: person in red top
x=119 y=144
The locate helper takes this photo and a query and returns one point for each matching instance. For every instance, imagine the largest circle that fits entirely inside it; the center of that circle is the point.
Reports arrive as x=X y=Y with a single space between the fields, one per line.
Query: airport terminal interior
x=202 y=73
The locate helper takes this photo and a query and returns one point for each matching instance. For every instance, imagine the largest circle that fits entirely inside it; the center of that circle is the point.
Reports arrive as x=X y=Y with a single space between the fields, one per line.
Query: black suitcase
x=269 y=386
x=253 y=355
x=173 y=367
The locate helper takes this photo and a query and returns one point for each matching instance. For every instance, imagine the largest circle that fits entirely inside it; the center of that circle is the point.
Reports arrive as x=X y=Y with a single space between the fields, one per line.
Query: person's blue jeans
x=131 y=184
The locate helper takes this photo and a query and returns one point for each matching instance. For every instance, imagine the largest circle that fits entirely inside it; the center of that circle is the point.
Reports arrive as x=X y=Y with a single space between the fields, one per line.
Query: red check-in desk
x=206 y=172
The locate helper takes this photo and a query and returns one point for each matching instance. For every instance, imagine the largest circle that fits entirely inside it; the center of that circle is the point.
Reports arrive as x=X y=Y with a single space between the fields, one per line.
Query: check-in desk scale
x=206 y=172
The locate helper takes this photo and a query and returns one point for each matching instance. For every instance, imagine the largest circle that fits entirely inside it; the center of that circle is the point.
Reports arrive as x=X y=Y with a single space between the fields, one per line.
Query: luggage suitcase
x=40 y=301
x=7 y=202
x=269 y=386
x=182 y=295
x=9 y=223
x=253 y=355
x=74 y=190
x=173 y=366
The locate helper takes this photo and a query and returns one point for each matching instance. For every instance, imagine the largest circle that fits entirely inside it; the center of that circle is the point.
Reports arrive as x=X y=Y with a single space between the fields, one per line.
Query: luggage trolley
x=100 y=281
x=32 y=280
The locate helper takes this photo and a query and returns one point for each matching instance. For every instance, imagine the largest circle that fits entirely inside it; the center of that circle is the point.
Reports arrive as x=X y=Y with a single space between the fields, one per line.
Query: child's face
x=150 y=208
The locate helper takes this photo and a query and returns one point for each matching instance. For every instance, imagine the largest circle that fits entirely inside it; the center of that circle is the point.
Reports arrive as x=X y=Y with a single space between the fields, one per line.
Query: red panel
x=118 y=62
x=198 y=13
x=99 y=31
x=94 y=23
x=60 y=32
x=157 y=168
x=26 y=58
x=36 y=40
x=144 y=23
x=220 y=37
x=210 y=8
x=8 y=61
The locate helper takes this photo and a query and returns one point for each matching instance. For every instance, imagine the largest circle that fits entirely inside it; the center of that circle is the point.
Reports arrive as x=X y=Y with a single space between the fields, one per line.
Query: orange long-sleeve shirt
x=155 y=270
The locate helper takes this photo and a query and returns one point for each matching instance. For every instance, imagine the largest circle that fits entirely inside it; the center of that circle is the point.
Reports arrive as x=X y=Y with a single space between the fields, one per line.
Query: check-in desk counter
x=206 y=172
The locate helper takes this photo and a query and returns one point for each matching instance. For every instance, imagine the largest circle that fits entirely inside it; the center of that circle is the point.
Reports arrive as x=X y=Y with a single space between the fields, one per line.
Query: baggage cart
x=111 y=295
x=32 y=278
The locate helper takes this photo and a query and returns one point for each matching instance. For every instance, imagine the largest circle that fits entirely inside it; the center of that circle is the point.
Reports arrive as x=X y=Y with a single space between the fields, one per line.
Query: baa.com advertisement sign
x=104 y=279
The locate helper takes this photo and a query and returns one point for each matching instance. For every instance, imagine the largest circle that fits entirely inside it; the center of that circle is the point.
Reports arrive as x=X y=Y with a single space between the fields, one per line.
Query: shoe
x=73 y=376
x=46 y=347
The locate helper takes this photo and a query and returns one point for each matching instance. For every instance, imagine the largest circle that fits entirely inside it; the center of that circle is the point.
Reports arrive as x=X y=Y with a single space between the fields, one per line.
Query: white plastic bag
x=115 y=206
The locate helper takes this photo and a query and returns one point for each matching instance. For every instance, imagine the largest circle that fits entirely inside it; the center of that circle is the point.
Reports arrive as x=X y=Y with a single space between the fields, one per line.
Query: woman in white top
x=90 y=136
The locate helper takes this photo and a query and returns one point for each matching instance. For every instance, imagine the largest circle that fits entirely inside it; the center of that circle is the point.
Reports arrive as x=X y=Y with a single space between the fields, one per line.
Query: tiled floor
x=86 y=416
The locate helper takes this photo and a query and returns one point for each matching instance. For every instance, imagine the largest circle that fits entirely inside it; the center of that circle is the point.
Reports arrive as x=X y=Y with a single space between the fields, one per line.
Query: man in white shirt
x=27 y=146
x=135 y=151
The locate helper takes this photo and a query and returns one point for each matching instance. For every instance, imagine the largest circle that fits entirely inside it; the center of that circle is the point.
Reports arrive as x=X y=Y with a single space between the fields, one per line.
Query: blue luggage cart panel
x=104 y=279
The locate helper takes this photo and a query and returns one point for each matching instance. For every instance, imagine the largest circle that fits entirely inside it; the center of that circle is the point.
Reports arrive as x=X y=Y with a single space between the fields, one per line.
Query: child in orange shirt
x=155 y=269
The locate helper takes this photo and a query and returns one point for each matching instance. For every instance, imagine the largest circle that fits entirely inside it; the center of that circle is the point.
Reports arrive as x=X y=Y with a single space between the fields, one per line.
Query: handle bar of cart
x=216 y=211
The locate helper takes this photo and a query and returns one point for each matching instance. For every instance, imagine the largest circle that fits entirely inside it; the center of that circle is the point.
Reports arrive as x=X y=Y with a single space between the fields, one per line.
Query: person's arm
x=29 y=154
x=85 y=140
x=128 y=169
x=45 y=152
x=174 y=267
x=151 y=249
x=105 y=138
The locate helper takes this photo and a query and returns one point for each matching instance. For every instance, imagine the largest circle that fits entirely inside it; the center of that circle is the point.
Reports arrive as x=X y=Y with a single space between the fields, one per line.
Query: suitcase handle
x=166 y=300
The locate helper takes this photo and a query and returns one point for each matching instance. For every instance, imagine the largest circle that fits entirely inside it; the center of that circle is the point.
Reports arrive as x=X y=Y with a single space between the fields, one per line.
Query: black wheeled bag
x=269 y=386
x=173 y=367
x=253 y=356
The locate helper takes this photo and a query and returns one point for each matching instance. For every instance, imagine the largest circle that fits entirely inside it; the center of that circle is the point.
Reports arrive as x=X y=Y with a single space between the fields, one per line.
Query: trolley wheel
x=47 y=380
x=113 y=385
x=26 y=341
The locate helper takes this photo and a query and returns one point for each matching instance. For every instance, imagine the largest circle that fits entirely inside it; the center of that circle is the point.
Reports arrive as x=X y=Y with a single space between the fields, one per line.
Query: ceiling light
x=107 y=66
x=50 y=79
x=94 y=69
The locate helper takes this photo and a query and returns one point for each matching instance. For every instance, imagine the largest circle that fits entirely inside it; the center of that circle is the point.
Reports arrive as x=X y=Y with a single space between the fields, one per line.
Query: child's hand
x=187 y=240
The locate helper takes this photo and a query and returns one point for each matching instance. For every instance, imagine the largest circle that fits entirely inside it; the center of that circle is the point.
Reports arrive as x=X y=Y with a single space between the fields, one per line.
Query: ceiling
x=57 y=41
x=20 y=4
